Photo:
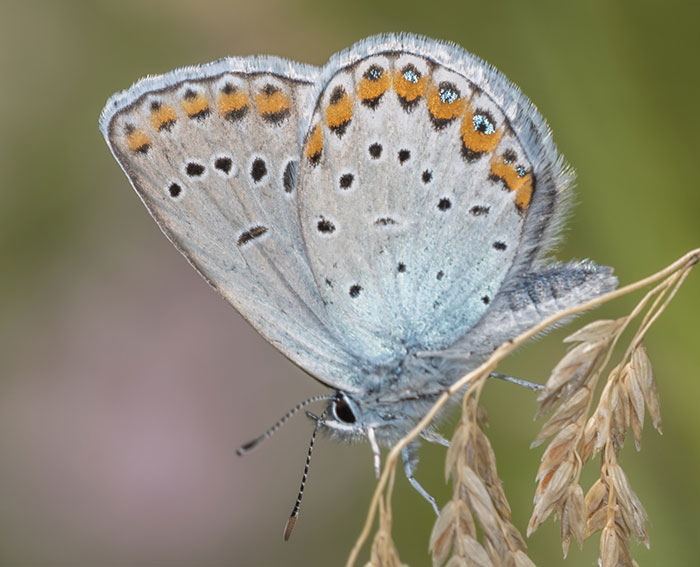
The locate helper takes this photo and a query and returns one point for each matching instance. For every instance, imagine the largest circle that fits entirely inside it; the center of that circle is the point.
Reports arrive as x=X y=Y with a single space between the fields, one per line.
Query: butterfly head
x=350 y=417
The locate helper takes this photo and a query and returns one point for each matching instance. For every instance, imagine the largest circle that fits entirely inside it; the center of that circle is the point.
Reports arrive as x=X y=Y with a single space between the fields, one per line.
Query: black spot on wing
x=509 y=156
x=498 y=179
x=372 y=103
x=251 y=234
x=276 y=117
x=166 y=126
x=444 y=204
x=194 y=169
x=315 y=159
x=223 y=164
x=201 y=115
x=325 y=226
x=175 y=190
x=346 y=180
x=375 y=150
x=471 y=155
x=336 y=95
x=289 y=176
x=269 y=89
x=258 y=170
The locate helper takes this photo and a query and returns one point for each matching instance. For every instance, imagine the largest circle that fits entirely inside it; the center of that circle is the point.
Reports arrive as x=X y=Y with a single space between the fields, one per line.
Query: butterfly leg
x=518 y=381
x=410 y=462
x=434 y=437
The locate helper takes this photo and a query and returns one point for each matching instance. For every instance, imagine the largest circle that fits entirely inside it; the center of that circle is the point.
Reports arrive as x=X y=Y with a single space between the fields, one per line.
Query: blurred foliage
x=619 y=84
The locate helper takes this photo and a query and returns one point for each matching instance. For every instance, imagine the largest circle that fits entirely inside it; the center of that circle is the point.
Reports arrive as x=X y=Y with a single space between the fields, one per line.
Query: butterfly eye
x=343 y=412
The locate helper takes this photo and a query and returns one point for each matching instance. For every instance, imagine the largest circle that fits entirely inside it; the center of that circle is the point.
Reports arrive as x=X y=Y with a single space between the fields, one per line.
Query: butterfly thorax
x=393 y=399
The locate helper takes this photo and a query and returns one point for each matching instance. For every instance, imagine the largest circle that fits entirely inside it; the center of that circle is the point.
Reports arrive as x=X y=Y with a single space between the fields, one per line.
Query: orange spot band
x=314 y=145
x=474 y=139
x=340 y=112
x=524 y=193
x=444 y=110
x=408 y=90
x=232 y=102
x=513 y=178
x=138 y=141
x=368 y=89
x=506 y=172
x=196 y=105
x=163 y=117
x=273 y=103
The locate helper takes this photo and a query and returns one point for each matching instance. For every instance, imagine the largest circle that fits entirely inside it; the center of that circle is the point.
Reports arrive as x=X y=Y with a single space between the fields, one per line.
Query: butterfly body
x=384 y=221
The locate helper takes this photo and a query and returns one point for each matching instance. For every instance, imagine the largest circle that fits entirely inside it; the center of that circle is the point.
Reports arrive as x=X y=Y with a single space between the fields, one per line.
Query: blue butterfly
x=385 y=221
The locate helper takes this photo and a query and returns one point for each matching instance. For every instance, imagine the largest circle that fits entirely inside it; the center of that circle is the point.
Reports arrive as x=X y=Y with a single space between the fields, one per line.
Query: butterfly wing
x=212 y=151
x=531 y=298
x=427 y=183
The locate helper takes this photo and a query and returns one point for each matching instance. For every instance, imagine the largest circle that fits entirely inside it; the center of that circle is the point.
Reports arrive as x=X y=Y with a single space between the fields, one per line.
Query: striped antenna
x=295 y=511
x=250 y=445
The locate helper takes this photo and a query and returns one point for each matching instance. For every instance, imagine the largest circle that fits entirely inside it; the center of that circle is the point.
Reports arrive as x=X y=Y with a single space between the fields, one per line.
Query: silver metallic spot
x=483 y=124
x=448 y=95
x=411 y=75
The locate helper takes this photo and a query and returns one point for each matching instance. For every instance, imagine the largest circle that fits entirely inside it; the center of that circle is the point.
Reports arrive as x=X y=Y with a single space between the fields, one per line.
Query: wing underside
x=213 y=156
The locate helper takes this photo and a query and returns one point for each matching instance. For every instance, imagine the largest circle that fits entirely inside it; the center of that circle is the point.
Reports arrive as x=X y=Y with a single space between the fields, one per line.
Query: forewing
x=427 y=183
x=212 y=151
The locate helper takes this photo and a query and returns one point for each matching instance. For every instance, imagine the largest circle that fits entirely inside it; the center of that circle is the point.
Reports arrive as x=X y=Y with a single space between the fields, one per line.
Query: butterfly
x=385 y=221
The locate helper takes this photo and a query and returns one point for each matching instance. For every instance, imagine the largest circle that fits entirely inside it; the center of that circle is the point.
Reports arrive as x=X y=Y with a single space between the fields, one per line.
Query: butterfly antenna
x=250 y=445
x=295 y=511
x=518 y=381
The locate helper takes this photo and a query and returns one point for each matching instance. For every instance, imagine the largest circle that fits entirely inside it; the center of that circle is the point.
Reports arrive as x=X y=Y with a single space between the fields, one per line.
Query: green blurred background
x=126 y=384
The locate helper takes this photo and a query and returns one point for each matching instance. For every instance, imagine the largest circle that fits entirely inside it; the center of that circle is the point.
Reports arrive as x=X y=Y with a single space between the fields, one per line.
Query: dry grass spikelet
x=578 y=434
x=477 y=499
x=570 y=385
